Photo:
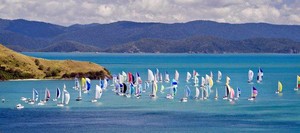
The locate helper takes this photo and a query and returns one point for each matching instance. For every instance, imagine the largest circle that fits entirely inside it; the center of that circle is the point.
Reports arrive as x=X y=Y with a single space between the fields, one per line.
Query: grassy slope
x=18 y=66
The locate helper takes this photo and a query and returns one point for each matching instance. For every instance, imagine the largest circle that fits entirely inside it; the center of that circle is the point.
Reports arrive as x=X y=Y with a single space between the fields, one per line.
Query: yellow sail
x=279 y=87
x=211 y=82
x=83 y=82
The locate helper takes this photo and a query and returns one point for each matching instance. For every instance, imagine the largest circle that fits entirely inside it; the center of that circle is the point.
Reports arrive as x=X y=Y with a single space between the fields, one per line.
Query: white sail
x=250 y=76
x=150 y=76
x=176 y=77
x=196 y=81
x=124 y=76
x=167 y=77
x=105 y=84
x=188 y=76
x=67 y=97
x=260 y=75
x=197 y=92
x=219 y=76
x=211 y=75
x=98 y=92
x=202 y=81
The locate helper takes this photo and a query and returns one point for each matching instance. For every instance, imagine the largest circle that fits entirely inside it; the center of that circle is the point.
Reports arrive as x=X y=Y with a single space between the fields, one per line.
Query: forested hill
x=24 y=35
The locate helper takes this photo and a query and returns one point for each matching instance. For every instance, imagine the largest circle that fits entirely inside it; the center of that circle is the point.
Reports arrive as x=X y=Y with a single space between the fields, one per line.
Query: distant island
x=18 y=66
x=135 y=37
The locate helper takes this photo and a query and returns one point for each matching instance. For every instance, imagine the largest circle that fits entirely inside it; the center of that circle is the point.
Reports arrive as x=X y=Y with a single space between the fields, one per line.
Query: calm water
x=269 y=113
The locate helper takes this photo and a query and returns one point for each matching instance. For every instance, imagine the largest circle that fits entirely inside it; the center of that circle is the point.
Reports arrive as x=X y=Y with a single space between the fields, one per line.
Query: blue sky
x=68 y=12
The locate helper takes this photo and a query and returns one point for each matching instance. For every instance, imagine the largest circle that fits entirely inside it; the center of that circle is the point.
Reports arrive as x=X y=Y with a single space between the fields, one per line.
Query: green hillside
x=14 y=65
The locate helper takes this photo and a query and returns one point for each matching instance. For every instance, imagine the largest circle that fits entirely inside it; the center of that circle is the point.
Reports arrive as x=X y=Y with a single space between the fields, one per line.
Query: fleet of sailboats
x=131 y=85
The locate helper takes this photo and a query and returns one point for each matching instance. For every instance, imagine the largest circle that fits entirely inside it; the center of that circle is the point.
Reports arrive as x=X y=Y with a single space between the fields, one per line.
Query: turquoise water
x=269 y=113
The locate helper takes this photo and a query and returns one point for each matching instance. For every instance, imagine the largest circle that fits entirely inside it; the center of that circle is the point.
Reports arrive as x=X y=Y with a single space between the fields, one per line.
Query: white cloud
x=69 y=12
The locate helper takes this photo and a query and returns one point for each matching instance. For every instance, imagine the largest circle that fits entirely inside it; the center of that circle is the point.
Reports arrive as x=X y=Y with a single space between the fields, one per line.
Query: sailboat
x=279 y=88
x=197 y=92
x=47 y=97
x=254 y=93
x=202 y=87
x=139 y=85
x=154 y=89
x=227 y=88
x=160 y=77
x=173 y=90
x=57 y=94
x=98 y=93
x=187 y=93
x=238 y=93
x=188 y=77
x=231 y=93
x=105 y=83
x=298 y=83
x=162 y=88
x=76 y=86
x=65 y=98
x=219 y=76
x=216 y=97
x=35 y=96
x=88 y=85
x=260 y=75
x=167 y=77
x=211 y=75
x=196 y=81
x=176 y=77
x=250 y=76
x=83 y=84
x=79 y=98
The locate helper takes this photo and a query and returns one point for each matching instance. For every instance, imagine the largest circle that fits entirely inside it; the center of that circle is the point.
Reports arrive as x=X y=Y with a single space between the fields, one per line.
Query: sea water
x=270 y=112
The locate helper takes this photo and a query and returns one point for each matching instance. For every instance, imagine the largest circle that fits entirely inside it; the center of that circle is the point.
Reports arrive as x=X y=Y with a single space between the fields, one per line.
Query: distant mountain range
x=125 y=36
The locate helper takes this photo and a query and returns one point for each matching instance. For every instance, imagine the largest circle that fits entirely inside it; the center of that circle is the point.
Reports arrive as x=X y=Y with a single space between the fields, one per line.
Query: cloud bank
x=67 y=12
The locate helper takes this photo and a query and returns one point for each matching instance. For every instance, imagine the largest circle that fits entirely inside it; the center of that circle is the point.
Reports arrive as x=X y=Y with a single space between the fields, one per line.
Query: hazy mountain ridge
x=26 y=35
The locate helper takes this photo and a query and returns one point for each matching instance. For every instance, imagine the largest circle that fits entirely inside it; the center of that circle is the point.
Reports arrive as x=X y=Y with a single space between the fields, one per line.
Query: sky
x=68 y=12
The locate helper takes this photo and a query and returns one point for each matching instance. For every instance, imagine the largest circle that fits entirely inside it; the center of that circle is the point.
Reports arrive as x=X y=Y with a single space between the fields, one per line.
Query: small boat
x=187 y=93
x=19 y=106
x=254 y=93
x=260 y=75
x=297 y=84
x=250 y=76
x=23 y=99
x=188 y=77
x=219 y=76
x=279 y=88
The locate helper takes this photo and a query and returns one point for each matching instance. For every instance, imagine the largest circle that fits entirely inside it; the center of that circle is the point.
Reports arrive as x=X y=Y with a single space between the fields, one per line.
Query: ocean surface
x=270 y=112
